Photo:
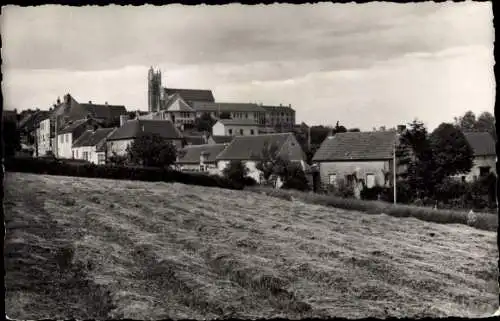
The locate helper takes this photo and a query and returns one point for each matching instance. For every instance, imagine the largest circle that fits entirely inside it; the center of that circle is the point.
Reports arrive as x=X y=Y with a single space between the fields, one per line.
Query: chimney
x=90 y=101
x=105 y=103
x=289 y=105
x=137 y=114
x=203 y=157
x=58 y=100
x=123 y=119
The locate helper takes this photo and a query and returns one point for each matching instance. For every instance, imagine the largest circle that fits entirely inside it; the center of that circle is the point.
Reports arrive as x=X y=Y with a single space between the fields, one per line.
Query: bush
x=69 y=168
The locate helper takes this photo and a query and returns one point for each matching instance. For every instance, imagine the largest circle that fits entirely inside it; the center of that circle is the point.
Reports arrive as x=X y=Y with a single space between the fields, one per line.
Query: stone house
x=70 y=133
x=201 y=158
x=123 y=136
x=248 y=149
x=90 y=146
x=357 y=159
x=44 y=136
x=483 y=146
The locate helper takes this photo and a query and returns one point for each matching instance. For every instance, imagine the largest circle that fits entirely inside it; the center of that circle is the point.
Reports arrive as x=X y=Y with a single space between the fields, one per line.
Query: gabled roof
x=191 y=154
x=194 y=140
x=357 y=146
x=73 y=126
x=32 y=120
x=138 y=127
x=482 y=143
x=191 y=95
x=226 y=107
x=92 y=138
x=178 y=104
x=222 y=139
x=105 y=111
x=250 y=147
x=238 y=122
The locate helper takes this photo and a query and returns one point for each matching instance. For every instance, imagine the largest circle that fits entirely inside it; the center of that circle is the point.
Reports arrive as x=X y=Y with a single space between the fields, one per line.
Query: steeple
x=154 y=90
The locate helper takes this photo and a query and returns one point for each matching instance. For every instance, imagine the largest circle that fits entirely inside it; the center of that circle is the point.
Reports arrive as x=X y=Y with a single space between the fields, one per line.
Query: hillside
x=92 y=248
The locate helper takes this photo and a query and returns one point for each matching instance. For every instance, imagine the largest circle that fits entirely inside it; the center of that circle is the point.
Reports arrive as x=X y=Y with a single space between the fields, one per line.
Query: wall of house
x=118 y=146
x=343 y=168
x=64 y=145
x=181 y=117
x=292 y=150
x=480 y=161
x=78 y=153
x=220 y=129
x=44 y=142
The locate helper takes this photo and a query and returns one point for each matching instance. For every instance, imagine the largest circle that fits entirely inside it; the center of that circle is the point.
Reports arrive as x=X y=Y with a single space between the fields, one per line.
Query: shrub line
x=482 y=221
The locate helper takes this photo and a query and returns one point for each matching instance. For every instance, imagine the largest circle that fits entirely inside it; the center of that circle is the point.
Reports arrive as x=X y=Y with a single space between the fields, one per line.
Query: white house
x=235 y=127
x=69 y=134
x=200 y=158
x=43 y=137
x=248 y=149
x=123 y=136
x=90 y=146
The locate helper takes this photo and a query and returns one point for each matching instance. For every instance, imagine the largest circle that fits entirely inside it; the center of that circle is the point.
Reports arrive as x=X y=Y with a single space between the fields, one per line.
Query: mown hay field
x=93 y=248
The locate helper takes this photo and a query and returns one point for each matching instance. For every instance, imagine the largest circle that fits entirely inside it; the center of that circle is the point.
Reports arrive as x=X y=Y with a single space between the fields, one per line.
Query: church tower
x=154 y=90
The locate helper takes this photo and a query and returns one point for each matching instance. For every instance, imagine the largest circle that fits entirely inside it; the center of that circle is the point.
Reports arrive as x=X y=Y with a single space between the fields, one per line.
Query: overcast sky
x=365 y=65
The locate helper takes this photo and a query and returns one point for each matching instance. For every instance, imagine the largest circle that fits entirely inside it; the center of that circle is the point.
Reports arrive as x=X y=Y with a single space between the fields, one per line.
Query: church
x=182 y=106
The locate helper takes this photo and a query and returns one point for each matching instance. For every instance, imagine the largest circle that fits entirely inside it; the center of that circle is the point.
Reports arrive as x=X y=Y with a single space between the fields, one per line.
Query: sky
x=364 y=65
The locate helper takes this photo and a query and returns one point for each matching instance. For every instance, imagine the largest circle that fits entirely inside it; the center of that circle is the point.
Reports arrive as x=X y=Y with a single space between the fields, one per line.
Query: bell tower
x=154 y=90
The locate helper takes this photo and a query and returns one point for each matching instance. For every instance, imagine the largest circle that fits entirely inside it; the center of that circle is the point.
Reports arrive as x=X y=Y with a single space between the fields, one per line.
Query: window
x=251 y=132
x=202 y=168
x=241 y=132
x=246 y=115
x=230 y=131
x=86 y=155
x=76 y=153
x=370 y=180
x=72 y=154
x=100 y=158
x=332 y=179
x=484 y=171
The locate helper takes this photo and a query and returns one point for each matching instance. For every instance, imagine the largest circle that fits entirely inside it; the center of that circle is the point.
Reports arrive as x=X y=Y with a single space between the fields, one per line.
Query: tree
x=11 y=138
x=467 y=122
x=152 y=150
x=452 y=153
x=236 y=171
x=204 y=123
x=486 y=123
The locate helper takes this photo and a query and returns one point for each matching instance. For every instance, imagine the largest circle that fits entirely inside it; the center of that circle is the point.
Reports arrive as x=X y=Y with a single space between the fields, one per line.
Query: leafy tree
x=236 y=171
x=486 y=123
x=118 y=160
x=467 y=122
x=152 y=150
x=293 y=177
x=204 y=123
x=11 y=138
x=225 y=115
x=452 y=153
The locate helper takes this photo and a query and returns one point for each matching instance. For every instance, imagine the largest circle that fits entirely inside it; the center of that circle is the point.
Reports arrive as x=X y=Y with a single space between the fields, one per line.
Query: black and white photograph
x=314 y=160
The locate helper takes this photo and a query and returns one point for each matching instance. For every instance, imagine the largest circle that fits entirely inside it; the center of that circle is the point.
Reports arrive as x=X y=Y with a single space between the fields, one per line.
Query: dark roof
x=32 y=120
x=104 y=111
x=278 y=108
x=482 y=143
x=192 y=153
x=195 y=140
x=357 y=146
x=250 y=147
x=72 y=126
x=191 y=95
x=137 y=127
x=222 y=139
x=10 y=115
x=227 y=107
x=239 y=122
x=92 y=138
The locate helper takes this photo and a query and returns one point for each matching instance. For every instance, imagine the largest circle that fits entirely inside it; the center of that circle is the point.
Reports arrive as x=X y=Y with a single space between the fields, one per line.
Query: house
x=237 y=111
x=91 y=145
x=70 y=133
x=44 y=137
x=216 y=139
x=248 y=149
x=9 y=115
x=123 y=137
x=356 y=157
x=235 y=127
x=483 y=146
x=200 y=158
x=195 y=140
x=280 y=117
x=178 y=111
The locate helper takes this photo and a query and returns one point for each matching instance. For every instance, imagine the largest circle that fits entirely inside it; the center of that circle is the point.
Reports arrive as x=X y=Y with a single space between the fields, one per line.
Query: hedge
x=68 y=168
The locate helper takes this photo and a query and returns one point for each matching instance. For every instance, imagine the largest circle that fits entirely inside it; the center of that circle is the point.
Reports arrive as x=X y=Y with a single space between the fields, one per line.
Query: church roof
x=191 y=95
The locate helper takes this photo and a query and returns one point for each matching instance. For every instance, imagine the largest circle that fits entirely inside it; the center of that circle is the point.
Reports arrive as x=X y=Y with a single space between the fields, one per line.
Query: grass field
x=92 y=248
